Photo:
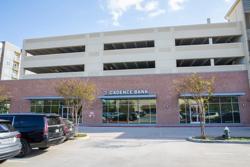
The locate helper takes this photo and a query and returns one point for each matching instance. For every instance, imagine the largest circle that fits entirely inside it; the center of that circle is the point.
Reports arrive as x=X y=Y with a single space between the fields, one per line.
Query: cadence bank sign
x=126 y=92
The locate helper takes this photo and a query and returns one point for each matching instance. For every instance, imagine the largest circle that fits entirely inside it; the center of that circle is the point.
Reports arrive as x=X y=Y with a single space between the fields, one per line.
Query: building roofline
x=11 y=44
x=232 y=8
x=120 y=31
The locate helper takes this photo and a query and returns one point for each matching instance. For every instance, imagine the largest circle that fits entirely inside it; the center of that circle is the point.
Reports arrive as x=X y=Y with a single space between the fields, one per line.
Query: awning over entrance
x=43 y=98
x=128 y=97
x=215 y=94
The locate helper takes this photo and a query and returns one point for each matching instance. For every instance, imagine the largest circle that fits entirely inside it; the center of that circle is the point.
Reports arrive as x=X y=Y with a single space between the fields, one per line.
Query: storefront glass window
x=52 y=106
x=47 y=109
x=133 y=109
x=218 y=110
x=183 y=114
x=236 y=113
x=130 y=111
x=46 y=106
x=226 y=113
x=214 y=113
x=39 y=109
x=153 y=113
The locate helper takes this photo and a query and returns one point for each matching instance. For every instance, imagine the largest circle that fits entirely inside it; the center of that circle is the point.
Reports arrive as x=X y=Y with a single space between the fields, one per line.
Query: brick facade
x=161 y=85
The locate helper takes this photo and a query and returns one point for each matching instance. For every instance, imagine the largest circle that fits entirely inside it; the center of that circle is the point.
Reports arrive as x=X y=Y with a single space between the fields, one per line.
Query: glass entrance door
x=123 y=116
x=194 y=114
x=66 y=113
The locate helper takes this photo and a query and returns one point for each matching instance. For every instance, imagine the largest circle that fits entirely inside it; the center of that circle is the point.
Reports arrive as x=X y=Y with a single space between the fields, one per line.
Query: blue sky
x=22 y=19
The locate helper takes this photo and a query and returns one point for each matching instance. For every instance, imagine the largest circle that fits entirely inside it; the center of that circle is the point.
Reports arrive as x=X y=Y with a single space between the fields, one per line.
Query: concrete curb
x=191 y=139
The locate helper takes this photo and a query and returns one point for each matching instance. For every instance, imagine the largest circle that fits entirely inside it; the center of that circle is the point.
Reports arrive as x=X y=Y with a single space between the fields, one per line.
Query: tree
x=200 y=90
x=4 y=96
x=77 y=94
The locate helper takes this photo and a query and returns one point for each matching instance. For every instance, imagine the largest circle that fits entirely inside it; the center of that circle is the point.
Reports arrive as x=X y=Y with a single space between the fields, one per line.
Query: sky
x=24 y=19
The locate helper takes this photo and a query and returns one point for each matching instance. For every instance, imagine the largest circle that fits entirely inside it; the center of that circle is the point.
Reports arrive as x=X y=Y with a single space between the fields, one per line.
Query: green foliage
x=77 y=94
x=4 y=94
x=197 y=86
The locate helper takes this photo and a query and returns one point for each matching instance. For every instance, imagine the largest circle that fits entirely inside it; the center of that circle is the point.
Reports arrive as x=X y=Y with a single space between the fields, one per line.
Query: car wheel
x=25 y=149
x=43 y=148
x=2 y=161
x=65 y=138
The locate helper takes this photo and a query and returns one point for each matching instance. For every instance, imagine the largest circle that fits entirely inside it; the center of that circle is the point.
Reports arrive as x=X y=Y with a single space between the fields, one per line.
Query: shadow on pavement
x=158 y=133
x=33 y=153
x=150 y=133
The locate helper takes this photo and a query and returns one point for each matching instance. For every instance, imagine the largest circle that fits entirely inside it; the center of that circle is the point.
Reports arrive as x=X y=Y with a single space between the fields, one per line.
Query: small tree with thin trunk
x=78 y=95
x=200 y=90
x=4 y=94
x=4 y=97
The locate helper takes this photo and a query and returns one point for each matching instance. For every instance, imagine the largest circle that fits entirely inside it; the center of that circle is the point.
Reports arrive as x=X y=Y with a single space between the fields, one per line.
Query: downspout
x=2 y=57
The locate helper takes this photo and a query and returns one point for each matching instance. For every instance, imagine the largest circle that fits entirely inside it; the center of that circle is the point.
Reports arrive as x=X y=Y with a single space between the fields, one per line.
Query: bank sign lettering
x=126 y=92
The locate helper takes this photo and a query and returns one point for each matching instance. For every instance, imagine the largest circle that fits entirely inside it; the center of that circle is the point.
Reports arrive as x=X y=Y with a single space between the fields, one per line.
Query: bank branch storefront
x=118 y=107
x=139 y=107
x=129 y=107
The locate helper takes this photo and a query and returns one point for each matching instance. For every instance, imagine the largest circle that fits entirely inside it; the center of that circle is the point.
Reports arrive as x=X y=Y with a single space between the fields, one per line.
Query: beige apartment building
x=10 y=61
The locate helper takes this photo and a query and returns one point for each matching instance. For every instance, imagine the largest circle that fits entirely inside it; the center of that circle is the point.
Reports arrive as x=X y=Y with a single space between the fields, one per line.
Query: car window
x=6 y=127
x=54 y=120
x=8 y=118
x=69 y=123
x=28 y=121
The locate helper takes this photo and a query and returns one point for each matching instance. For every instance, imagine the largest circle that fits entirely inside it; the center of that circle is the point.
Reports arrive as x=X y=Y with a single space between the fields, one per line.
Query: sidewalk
x=158 y=133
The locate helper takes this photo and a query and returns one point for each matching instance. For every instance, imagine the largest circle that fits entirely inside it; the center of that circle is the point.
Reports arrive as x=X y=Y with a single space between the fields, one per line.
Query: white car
x=10 y=144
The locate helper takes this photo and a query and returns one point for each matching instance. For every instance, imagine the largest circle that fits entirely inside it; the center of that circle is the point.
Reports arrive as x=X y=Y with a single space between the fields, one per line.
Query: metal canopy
x=215 y=94
x=43 y=98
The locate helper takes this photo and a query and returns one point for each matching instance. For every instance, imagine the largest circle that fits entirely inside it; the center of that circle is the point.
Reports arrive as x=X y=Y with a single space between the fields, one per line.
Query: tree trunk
x=82 y=110
x=76 y=117
x=85 y=108
x=202 y=121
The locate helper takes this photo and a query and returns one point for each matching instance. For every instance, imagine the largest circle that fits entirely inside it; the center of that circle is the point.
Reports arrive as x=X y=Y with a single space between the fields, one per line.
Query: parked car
x=68 y=129
x=37 y=130
x=10 y=144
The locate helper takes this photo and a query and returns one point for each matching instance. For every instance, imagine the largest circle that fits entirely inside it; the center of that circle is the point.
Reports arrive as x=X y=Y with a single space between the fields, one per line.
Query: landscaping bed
x=81 y=135
x=220 y=139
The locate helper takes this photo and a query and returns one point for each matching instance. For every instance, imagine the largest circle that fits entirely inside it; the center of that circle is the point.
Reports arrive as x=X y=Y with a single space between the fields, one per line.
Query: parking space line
x=17 y=161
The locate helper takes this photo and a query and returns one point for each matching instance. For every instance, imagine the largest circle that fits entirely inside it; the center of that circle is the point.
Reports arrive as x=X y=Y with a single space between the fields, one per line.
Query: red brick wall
x=161 y=85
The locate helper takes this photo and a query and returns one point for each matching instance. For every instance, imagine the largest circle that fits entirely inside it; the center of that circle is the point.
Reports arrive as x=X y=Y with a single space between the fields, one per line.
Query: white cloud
x=230 y=2
x=176 y=4
x=156 y=13
x=151 y=6
x=117 y=8
x=153 y=9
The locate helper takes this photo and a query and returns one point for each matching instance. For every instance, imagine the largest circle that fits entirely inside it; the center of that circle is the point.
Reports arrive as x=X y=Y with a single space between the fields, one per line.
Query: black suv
x=37 y=130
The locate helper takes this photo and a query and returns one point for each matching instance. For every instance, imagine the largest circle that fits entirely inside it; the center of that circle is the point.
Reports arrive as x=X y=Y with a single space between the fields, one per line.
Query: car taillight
x=46 y=127
x=66 y=129
x=18 y=136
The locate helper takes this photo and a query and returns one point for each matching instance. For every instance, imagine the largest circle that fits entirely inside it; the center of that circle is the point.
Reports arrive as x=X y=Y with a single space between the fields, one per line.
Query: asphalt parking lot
x=147 y=147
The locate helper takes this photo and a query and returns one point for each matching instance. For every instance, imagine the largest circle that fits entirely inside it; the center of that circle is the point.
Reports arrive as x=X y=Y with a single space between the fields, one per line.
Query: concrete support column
x=212 y=62
x=22 y=71
x=210 y=41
